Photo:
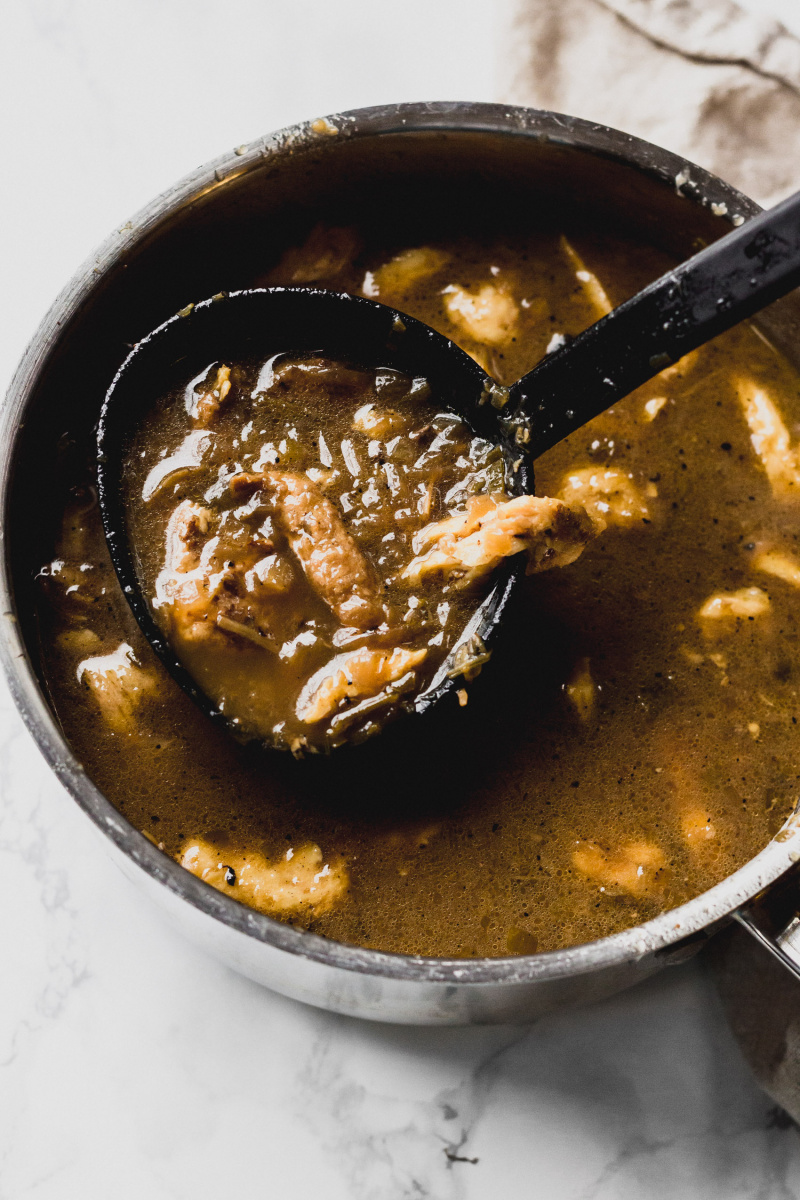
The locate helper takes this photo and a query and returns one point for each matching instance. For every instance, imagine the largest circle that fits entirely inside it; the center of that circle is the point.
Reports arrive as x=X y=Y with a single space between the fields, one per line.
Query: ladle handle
x=782 y=946
x=730 y=280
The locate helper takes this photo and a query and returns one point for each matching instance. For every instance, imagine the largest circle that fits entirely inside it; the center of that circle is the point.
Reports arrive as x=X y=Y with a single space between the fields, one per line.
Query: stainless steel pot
x=203 y=236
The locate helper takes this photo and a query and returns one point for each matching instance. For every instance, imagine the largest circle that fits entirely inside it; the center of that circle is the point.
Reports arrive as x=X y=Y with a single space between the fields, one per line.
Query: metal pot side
x=196 y=239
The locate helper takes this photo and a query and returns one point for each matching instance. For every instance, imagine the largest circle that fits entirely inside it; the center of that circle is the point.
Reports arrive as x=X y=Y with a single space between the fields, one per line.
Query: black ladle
x=735 y=277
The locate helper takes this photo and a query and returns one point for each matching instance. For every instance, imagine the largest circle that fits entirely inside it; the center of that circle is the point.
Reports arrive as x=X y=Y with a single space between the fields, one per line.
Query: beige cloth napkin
x=700 y=77
x=709 y=81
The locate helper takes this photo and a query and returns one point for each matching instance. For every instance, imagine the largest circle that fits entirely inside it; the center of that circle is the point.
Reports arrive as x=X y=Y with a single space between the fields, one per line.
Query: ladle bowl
x=264 y=321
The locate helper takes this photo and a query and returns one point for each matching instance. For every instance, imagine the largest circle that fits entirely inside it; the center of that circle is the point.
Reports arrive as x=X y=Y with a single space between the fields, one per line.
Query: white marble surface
x=130 y=1065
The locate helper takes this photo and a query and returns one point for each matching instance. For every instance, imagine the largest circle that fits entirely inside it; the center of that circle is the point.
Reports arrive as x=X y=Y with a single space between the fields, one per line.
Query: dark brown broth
x=462 y=838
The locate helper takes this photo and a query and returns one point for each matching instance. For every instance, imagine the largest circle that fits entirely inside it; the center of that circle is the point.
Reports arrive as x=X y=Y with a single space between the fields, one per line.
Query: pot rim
x=675 y=925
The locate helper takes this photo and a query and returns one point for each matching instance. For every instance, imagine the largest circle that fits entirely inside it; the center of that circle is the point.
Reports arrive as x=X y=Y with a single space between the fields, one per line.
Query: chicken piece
x=492 y=527
x=682 y=367
x=608 y=495
x=205 y=399
x=333 y=563
x=656 y=403
x=687 y=797
x=79 y=640
x=379 y=423
x=187 y=529
x=211 y=588
x=74 y=579
x=400 y=273
x=770 y=439
x=653 y=407
x=327 y=251
x=782 y=566
x=75 y=589
x=592 y=287
x=488 y=315
x=337 y=379
x=637 y=868
x=698 y=829
x=182 y=586
x=323 y=477
x=271 y=574
x=581 y=689
x=738 y=605
x=299 y=882
x=118 y=684
x=362 y=673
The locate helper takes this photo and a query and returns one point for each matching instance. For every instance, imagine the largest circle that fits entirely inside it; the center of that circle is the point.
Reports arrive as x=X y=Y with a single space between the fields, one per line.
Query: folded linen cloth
x=721 y=87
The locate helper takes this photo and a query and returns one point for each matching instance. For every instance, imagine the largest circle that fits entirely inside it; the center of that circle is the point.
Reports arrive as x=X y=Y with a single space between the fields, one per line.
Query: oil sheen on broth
x=314 y=537
x=634 y=740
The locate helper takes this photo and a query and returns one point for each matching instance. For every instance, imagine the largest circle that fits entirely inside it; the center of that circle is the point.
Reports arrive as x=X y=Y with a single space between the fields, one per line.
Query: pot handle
x=773 y=920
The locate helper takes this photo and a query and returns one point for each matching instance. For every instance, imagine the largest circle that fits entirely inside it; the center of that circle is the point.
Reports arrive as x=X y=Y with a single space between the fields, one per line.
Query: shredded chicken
x=682 y=367
x=182 y=585
x=609 y=496
x=698 y=829
x=362 y=673
x=379 y=423
x=73 y=577
x=657 y=403
x=208 y=593
x=782 y=566
x=186 y=532
x=746 y=602
x=770 y=439
x=687 y=795
x=488 y=315
x=323 y=477
x=581 y=689
x=118 y=684
x=637 y=868
x=400 y=273
x=653 y=407
x=207 y=398
x=326 y=252
x=592 y=287
x=300 y=882
x=80 y=640
x=492 y=527
x=333 y=563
